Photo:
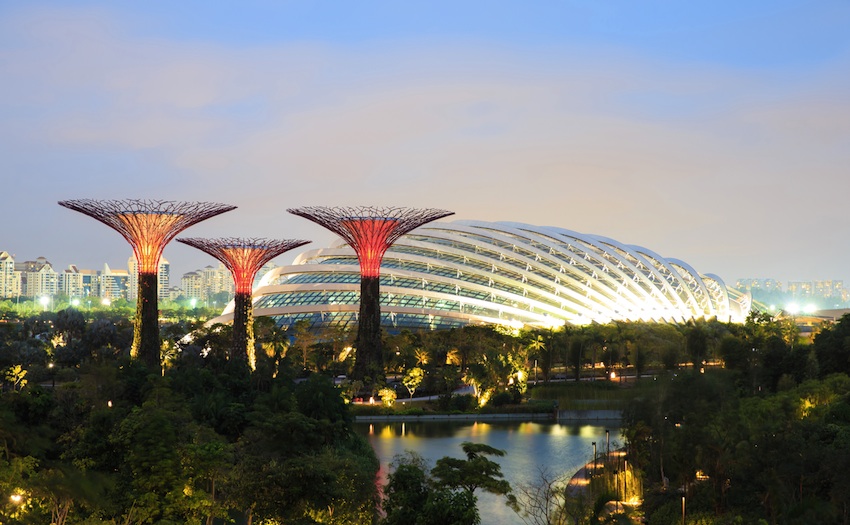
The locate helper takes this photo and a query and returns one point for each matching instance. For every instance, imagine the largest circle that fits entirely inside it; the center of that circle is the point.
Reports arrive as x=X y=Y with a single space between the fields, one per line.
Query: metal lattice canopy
x=243 y=256
x=369 y=230
x=148 y=225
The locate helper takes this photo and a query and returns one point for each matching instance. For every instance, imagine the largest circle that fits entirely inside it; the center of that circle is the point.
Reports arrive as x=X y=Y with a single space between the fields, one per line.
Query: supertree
x=370 y=231
x=148 y=225
x=244 y=258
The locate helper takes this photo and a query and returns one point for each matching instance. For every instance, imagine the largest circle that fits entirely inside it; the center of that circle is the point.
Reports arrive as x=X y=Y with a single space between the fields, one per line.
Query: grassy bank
x=591 y=395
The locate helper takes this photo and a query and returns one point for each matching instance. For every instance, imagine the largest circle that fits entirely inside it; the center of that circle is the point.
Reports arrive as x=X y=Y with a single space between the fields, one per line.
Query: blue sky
x=713 y=132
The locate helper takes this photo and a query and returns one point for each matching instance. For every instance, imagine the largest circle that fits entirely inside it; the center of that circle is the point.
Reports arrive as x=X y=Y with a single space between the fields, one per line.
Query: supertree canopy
x=148 y=225
x=370 y=231
x=243 y=257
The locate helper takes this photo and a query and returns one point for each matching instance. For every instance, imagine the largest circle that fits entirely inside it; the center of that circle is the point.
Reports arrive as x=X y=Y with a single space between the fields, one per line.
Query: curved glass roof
x=448 y=274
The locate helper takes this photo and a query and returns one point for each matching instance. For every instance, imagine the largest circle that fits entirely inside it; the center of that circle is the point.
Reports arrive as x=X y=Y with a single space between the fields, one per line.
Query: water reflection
x=531 y=447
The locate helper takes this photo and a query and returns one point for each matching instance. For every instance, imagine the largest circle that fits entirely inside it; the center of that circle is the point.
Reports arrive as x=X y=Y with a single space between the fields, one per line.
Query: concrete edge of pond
x=561 y=416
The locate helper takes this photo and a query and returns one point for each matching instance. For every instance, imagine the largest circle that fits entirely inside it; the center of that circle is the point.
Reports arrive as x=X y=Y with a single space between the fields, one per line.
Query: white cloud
x=692 y=162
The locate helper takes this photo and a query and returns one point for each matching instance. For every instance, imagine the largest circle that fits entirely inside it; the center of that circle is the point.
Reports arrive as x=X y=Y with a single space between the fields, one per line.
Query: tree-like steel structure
x=148 y=225
x=243 y=257
x=370 y=231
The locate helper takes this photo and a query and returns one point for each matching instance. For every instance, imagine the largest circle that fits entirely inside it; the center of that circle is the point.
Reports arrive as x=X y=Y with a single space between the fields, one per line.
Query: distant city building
x=800 y=289
x=216 y=281
x=174 y=293
x=71 y=282
x=192 y=284
x=38 y=278
x=767 y=285
x=33 y=279
x=114 y=283
x=10 y=279
x=208 y=284
x=816 y=294
x=833 y=289
x=163 y=279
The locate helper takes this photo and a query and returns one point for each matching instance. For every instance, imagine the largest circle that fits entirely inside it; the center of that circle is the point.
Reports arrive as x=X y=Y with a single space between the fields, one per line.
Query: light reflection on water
x=530 y=446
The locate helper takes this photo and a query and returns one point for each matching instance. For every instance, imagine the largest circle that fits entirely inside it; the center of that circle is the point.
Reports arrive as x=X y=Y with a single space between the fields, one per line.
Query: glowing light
x=793 y=308
x=106 y=301
x=193 y=302
x=484 y=398
x=613 y=375
x=75 y=302
x=810 y=309
x=16 y=498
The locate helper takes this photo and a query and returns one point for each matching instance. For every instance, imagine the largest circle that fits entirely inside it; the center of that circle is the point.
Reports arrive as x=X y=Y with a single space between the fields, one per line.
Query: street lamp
x=594 y=458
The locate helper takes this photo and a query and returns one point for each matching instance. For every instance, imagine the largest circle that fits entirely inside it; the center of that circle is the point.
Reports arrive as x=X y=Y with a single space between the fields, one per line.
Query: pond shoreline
x=559 y=417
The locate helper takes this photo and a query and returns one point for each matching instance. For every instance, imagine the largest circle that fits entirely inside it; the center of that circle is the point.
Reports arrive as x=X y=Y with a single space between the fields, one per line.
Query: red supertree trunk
x=244 y=258
x=148 y=225
x=370 y=232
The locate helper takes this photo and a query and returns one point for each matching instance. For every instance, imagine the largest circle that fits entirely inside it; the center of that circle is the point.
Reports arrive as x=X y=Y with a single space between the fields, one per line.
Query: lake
x=530 y=446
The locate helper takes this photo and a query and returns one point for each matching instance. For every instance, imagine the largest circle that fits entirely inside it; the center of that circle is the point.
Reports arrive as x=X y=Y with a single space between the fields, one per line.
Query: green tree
x=413 y=497
x=476 y=471
x=412 y=379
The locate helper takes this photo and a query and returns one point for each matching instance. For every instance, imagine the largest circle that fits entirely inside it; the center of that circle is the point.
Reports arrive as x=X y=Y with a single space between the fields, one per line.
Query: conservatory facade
x=451 y=274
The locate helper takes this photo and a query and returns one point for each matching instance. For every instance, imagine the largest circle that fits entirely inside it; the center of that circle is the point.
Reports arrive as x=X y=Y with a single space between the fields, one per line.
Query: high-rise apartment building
x=163 y=278
x=767 y=285
x=71 y=282
x=207 y=283
x=10 y=279
x=74 y=282
x=216 y=281
x=38 y=278
x=833 y=288
x=114 y=284
x=193 y=285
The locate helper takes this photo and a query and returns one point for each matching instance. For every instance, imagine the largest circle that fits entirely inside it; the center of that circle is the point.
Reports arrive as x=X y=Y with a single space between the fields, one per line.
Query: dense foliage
x=204 y=441
x=746 y=421
x=767 y=439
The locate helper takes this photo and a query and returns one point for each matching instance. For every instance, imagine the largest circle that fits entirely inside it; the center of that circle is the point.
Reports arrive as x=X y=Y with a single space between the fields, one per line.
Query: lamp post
x=594 y=458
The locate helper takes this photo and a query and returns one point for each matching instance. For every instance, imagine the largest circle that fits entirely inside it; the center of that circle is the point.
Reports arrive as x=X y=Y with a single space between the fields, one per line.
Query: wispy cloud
x=686 y=159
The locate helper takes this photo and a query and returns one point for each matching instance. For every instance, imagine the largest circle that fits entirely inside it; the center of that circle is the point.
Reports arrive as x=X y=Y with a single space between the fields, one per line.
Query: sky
x=717 y=132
